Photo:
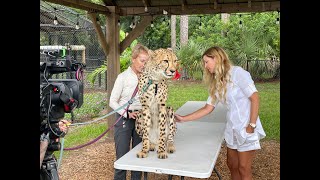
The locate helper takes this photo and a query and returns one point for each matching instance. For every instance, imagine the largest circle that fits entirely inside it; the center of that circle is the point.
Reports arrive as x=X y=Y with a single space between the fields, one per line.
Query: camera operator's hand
x=64 y=125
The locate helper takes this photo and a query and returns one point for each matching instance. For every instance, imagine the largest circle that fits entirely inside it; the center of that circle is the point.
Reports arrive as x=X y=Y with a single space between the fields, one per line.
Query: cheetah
x=155 y=121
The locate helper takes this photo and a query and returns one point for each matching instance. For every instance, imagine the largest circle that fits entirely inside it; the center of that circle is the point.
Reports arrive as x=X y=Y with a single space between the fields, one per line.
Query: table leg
x=169 y=177
x=145 y=175
x=215 y=170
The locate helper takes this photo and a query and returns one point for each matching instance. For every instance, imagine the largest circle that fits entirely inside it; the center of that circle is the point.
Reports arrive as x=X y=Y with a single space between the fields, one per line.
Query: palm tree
x=254 y=53
x=190 y=57
x=183 y=30
x=173 y=32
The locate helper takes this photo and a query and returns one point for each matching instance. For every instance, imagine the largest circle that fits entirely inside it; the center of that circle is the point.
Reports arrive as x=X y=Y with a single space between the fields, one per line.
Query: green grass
x=179 y=93
x=82 y=135
x=269 y=112
x=269 y=93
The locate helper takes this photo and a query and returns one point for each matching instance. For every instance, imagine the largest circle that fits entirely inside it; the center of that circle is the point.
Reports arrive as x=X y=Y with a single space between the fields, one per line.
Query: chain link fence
x=264 y=69
x=61 y=25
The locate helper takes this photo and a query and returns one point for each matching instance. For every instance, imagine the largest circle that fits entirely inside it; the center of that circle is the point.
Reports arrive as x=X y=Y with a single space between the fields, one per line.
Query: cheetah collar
x=149 y=83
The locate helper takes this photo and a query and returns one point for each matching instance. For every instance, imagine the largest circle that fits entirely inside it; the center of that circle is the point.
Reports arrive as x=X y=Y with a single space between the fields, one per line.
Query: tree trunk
x=173 y=32
x=183 y=30
x=224 y=19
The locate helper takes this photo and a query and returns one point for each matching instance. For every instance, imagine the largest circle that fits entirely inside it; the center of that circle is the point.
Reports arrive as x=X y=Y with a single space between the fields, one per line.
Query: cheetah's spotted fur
x=155 y=122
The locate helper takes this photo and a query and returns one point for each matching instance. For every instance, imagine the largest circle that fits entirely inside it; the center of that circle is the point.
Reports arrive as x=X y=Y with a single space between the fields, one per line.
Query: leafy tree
x=257 y=39
x=190 y=57
x=254 y=40
x=158 y=36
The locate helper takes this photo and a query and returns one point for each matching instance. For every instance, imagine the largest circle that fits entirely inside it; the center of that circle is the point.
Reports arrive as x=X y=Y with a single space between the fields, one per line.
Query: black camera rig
x=57 y=97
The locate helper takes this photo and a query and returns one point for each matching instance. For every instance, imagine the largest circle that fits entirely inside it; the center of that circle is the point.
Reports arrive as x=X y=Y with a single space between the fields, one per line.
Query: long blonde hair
x=217 y=81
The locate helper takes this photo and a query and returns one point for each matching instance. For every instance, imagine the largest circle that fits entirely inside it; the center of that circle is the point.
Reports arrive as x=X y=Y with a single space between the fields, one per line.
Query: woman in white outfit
x=234 y=87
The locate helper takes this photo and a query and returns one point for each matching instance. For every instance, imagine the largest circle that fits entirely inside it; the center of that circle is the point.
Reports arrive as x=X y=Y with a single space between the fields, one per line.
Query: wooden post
x=83 y=56
x=113 y=59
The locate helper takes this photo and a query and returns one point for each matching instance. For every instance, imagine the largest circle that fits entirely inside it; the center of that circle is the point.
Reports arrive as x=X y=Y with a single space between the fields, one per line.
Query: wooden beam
x=113 y=60
x=204 y=9
x=184 y=5
x=136 y=32
x=109 y=2
x=84 y=5
x=101 y=37
x=146 y=3
x=215 y=4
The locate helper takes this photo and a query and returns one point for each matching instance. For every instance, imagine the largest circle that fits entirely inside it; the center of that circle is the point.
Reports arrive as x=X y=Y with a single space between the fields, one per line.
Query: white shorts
x=251 y=143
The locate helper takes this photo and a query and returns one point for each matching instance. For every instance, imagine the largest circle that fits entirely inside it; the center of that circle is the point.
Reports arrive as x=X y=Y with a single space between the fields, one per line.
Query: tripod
x=48 y=162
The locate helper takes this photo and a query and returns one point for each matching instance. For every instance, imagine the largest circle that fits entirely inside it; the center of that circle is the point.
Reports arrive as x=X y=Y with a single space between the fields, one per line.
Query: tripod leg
x=49 y=170
x=215 y=170
x=44 y=142
x=54 y=174
x=145 y=175
x=44 y=174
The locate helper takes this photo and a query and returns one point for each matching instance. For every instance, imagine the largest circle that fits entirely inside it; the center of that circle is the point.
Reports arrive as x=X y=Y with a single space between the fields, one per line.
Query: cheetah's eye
x=166 y=61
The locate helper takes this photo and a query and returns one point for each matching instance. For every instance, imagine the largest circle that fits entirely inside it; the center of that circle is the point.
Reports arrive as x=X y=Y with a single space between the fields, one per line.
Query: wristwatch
x=253 y=125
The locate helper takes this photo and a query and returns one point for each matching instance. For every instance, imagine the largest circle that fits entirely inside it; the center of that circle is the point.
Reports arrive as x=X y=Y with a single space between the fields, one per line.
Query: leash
x=100 y=136
x=96 y=139
x=88 y=143
x=102 y=117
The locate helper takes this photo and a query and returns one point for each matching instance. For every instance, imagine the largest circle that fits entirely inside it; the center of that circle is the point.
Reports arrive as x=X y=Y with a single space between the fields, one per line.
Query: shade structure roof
x=172 y=7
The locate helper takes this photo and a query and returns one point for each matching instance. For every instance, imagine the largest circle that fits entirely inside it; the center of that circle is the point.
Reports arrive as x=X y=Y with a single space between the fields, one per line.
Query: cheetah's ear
x=170 y=49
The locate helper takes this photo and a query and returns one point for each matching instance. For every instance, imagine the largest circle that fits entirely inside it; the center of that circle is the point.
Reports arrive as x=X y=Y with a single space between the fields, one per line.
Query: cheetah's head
x=163 y=64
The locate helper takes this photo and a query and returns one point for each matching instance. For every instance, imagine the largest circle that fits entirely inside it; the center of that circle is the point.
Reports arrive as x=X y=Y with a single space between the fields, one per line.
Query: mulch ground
x=95 y=162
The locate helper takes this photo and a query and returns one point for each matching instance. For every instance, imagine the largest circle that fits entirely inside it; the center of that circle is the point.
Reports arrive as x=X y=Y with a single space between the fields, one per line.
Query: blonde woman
x=125 y=135
x=234 y=87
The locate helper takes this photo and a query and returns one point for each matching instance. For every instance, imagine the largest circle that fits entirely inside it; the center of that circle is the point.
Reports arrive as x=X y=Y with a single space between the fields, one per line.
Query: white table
x=197 y=143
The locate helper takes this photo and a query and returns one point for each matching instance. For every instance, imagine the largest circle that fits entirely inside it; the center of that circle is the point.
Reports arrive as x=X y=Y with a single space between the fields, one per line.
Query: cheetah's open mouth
x=167 y=75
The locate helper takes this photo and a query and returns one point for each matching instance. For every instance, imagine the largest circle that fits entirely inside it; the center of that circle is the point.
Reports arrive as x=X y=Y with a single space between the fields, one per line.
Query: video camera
x=57 y=97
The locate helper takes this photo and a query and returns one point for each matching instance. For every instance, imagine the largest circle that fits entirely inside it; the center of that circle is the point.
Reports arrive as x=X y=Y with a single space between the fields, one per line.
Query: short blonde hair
x=137 y=49
x=217 y=82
